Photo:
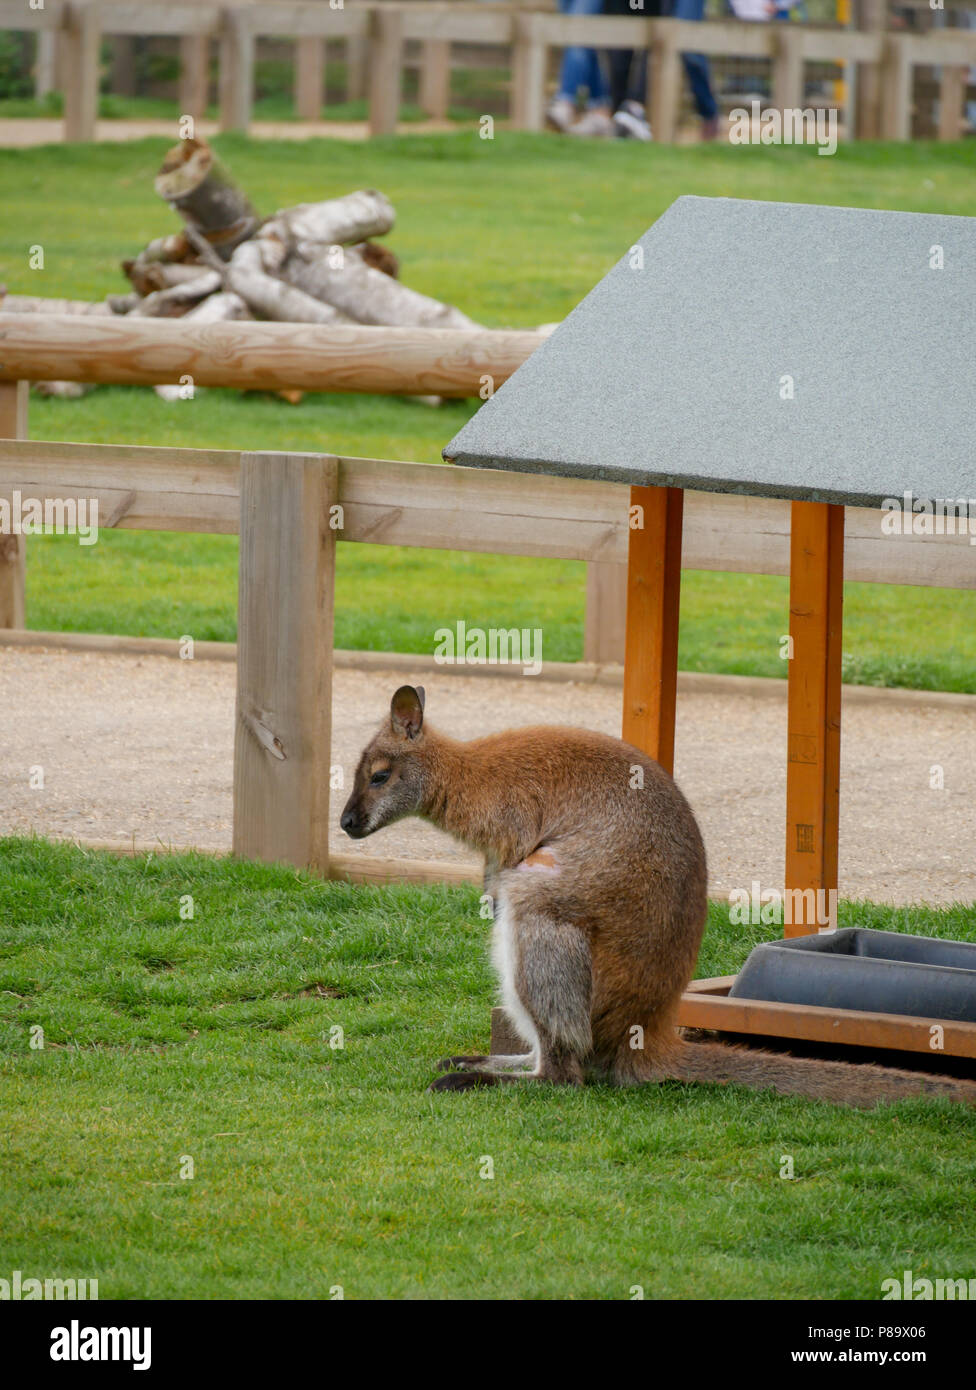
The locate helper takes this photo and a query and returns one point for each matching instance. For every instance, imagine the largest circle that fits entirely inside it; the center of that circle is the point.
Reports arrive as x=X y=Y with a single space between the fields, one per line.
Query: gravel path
x=139 y=746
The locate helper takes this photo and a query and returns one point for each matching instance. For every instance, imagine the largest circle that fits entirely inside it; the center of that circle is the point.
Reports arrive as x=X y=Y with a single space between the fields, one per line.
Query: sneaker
x=561 y=115
x=709 y=130
x=595 y=124
x=631 y=123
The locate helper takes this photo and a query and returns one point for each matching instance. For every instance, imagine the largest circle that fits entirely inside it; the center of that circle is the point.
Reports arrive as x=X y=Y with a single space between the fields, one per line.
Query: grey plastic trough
x=857 y=968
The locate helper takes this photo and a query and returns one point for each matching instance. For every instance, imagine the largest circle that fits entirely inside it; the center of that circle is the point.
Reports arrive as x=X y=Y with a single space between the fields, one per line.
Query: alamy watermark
x=49 y=516
x=494 y=646
x=909 y=515
x=77 y=1343
x=18 y=1289
x=809 y=907
x=927 y=1290
x=794 y=126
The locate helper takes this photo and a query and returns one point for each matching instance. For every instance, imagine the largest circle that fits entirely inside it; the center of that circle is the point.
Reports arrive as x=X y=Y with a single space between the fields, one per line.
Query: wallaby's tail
x=842 y=1083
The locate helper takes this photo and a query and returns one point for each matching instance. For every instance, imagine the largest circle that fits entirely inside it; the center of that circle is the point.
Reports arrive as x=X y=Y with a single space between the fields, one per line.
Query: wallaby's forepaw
x=464 y=1080
x=461 y=1063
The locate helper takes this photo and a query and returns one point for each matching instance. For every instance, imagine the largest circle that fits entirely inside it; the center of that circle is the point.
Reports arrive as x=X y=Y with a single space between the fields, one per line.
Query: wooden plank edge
x=812 y=1023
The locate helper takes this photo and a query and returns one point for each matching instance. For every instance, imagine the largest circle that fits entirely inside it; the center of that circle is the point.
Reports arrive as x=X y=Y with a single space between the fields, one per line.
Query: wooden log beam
x=813 y=719
x=38 y=304
x=283 y=733
x=653 y=588
x=260 y=356
x=197 y=186
x=13 y=555
x=363 y=294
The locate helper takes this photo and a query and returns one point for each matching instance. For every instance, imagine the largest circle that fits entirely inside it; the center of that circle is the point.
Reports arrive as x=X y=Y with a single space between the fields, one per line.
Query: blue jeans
x=696 y=64
x=581 y=66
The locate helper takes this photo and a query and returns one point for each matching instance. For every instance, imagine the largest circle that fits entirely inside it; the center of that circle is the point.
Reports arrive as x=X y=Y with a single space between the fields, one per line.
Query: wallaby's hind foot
x=468 y=1080
x=556 y=1070
x=497 y=1062
x=558 y=1065
x=477 y=1059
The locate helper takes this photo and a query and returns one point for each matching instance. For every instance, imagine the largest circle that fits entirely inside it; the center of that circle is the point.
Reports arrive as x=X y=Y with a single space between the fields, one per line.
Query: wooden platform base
x=706 y=1004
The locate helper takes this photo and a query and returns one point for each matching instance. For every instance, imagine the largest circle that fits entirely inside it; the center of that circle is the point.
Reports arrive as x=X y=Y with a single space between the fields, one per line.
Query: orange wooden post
x=813 y=766
x=651 y=651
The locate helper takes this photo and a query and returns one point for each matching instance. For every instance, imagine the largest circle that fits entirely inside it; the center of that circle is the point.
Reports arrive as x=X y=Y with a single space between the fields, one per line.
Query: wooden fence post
x=236 y=69
x=871 y=16
x=13 y=425
x=606 y=607
x=194 y=75
x=309 y=77
x=122 y=73
x=529 y=58
x=665 y=81
x=653 y=592
x=813 y=700
x=283 y=729
x=357 y=67
x=435 y=78
x=788 y=68
x=896 y=89
x=952 y=95
x=385 y=54
x=46 y=63
x=81 y=40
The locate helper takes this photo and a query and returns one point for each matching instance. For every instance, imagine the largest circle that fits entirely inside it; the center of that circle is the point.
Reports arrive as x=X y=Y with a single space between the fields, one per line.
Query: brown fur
x=600 y=885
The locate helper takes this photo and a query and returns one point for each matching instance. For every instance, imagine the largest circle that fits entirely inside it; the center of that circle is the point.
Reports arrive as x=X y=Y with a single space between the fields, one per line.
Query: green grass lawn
x=514 y=230
x=313 y=1166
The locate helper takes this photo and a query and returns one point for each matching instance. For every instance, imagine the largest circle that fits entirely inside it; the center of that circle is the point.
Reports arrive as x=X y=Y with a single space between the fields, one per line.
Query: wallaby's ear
x=421 y=696
x=407 y=711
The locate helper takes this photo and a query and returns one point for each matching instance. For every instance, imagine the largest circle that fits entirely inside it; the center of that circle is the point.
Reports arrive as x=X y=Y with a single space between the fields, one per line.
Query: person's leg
x=696 y=64
x=619 y=60
x=581 y=66
x=596 y=122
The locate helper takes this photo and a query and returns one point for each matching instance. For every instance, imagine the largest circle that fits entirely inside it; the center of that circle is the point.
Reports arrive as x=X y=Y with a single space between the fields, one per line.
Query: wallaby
x=596 y=870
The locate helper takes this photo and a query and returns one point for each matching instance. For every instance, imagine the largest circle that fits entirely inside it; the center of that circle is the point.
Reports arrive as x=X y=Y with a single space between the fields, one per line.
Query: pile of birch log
x=313 y=263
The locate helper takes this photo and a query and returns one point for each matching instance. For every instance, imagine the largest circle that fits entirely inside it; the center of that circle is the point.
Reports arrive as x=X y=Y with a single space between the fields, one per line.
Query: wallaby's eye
x=378 y=778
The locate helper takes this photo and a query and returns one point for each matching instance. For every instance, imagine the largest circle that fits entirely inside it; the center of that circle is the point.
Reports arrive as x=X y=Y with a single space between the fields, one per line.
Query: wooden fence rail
x=289 y=511
x=446 y=507
x=887 y=59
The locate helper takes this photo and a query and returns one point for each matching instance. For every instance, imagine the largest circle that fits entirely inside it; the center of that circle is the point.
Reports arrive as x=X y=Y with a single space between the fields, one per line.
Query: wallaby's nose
x=347 y=821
